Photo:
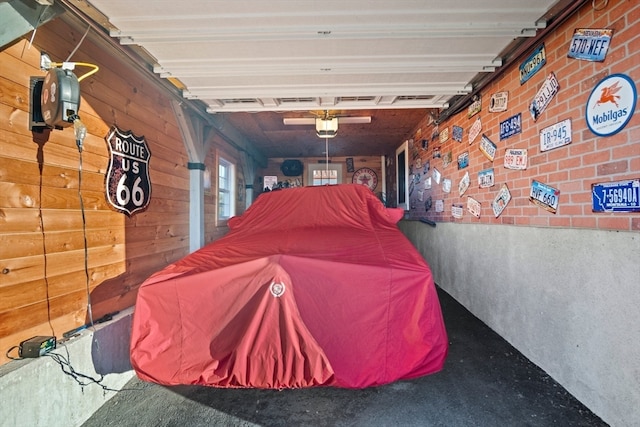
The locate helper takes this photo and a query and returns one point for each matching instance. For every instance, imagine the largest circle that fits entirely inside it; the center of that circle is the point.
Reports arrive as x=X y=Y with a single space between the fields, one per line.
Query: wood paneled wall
x=274 y=164
x=43 y=284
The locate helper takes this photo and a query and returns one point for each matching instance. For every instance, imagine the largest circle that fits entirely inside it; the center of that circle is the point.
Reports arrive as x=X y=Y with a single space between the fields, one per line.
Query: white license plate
x=499 y=102
x=456 y=211
x=463 y=185
x=515 y=159
x=488 y=148
x=486 y=178
x=501 y=200
x=544 y=196
x=556 y=135
x=549 y=89
x=474 y=207
x=444 y=135
x=475 y=130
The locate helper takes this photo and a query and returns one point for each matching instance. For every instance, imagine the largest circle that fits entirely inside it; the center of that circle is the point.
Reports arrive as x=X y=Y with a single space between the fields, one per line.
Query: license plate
x=456 y=211
x=515 y=159
x=590 y=44
x=619 y=196
x=556 y=135
x=457 y=133
x=474 y=207
x=463 y=185
x=499 y=102
x=446 y=185
x=511 y=126
x=446 y=159
x=444 y=135
x=427 y=183
x=544 y=96
x=532 y=64
x=463 y=160
x=488 y=148
x=475 y=130
x=436 y=175
x=501 y=200
x=544 y=196
x=486 y=178
x=474 y=108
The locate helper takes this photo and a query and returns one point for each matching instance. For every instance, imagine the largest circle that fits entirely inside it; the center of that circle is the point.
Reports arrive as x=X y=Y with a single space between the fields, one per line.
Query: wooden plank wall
x=273 y=169
x=43 y=284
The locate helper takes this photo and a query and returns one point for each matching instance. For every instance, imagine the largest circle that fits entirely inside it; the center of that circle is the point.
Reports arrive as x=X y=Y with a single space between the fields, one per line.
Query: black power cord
x=82 y=379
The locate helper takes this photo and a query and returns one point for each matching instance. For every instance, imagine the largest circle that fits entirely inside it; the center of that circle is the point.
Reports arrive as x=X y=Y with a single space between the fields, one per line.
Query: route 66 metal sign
x=128 y=186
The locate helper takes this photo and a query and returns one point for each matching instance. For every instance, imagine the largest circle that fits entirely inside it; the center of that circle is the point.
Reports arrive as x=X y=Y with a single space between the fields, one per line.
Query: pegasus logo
x=608 y=94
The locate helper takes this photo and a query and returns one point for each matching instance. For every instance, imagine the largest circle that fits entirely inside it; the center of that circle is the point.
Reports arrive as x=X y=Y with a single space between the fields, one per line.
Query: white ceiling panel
x=249 y=55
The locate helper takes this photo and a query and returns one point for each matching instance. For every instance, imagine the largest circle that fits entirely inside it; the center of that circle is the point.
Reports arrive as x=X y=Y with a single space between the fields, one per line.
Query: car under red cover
x=312 y=286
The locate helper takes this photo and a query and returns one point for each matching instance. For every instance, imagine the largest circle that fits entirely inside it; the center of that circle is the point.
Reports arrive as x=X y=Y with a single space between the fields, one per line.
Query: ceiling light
x=327 y=128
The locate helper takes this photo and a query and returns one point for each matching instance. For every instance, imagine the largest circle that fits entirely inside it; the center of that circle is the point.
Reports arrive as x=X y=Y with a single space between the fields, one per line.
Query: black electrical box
x=36 y=346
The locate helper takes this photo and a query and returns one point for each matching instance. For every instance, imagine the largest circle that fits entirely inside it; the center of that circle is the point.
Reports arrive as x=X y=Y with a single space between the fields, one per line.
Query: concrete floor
x=485 y=382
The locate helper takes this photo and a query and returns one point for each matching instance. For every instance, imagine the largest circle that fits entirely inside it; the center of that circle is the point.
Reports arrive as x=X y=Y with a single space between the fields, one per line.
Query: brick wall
x=571 y=169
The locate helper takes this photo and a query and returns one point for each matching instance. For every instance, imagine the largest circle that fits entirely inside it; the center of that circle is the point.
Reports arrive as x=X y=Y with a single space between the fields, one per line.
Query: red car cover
x=311 y=286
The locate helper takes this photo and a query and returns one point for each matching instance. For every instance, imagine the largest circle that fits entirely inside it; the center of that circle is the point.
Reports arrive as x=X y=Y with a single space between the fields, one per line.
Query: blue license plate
x=511 y=126
x=463 y=160
x=619 y=196
x=533 y=64
x=457 y=133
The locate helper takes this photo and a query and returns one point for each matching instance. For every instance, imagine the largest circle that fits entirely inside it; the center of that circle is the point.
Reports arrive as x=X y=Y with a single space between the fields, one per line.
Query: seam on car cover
x=180 y=308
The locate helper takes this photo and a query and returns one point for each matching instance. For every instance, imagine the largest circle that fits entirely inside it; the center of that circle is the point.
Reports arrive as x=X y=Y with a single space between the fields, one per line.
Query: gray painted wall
x=568 y=299
x=35 y=392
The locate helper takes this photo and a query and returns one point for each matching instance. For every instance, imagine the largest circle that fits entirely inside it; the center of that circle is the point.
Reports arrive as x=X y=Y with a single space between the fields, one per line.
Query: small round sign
x=366 y=176
x=277 y=289
x=611 y=105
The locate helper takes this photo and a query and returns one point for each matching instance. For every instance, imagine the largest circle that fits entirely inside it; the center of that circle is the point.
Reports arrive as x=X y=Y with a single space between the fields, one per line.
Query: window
x=325 y=174
x=226 y=189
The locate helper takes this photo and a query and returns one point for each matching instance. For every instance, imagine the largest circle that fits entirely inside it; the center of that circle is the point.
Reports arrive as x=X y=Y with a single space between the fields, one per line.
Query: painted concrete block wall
x=567 y=299
x=562 y=288
x=36 y=392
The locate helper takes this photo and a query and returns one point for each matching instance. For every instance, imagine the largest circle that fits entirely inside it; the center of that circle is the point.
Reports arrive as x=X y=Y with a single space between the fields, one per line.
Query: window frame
x=323 y=166
x=230 y=189
x=402 y=176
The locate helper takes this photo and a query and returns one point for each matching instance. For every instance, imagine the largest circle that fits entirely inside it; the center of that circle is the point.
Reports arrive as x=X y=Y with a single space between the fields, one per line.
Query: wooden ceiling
x=252 y=63
x=387 y=129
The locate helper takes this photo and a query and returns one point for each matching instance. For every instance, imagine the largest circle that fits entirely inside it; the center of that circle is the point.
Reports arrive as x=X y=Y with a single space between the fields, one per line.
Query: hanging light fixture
x=326 y=127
